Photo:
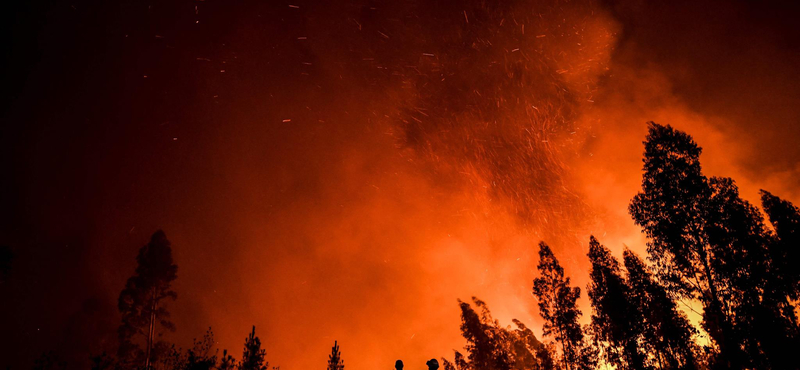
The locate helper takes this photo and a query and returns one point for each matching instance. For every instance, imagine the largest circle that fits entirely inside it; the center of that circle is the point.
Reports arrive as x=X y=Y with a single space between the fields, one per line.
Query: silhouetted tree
x=672 y=209
x=447 y=365
x=785 y=250
x=199 y=357
x=484 y=338
x=253 y=357
x=171 y=358
x=666 y=333
x=459 y=362
x=335 y=361
x=490 y=346
x=616 y=323
x=528 y=352
x=764 y=318
x=709 y=244
x=142 y=301
x=557 y=306
x=227 y=362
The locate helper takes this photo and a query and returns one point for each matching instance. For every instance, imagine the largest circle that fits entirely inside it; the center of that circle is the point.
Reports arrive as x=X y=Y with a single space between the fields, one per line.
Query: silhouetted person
x=398 y=364
x=432 y=364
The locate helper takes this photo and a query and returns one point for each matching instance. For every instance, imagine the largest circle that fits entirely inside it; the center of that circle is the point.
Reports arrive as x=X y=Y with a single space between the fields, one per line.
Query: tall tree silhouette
x=672 y=210
x=615 y=321
x=335 y=361
x=709 y=244
x=253 y=357
x=666 y=333
x=775 y=322
x=764 y=318
x=142 y=302
x=557 y=306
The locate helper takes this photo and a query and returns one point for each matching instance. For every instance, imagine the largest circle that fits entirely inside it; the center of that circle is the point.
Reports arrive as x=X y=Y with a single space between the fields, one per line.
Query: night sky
x=346 y=170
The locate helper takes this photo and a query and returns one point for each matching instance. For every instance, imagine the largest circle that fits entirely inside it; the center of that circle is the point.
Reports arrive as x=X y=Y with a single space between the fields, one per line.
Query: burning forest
x=454 y=185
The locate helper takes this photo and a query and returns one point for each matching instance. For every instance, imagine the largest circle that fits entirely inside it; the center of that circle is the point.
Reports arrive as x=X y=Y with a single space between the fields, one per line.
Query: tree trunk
x=728 y=349
x=150 y=333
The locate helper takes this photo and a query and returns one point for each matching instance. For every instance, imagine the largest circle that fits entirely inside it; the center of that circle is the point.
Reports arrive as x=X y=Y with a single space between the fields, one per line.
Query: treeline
x=145 y=318
x=708 y=248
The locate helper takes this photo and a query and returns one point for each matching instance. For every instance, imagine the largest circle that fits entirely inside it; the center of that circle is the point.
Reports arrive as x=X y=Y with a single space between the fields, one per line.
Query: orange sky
x=357 y=168
x=373 y=245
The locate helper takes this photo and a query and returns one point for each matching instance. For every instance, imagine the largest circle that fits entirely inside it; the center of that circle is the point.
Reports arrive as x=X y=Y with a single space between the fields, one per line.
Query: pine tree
x=335 y=361
x=227 y=362
x=142 y=302
x=253 y=357
x=666 y=333
x=557 y=306
x=615 y=321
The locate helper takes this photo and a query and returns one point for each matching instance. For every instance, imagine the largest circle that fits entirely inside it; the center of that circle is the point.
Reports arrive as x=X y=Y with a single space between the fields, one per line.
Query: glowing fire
x=394 y=157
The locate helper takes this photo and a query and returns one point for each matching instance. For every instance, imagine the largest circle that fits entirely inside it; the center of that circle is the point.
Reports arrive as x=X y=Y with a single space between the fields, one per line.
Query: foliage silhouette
x=706 y=243
x=253 y=357
x=335 y=361
x=227 y=362
x=490 y=346
x=141 y=303
x=785 y=250
x=557 y=302
x=709 y=244
x=616 y=322
x=666 y=333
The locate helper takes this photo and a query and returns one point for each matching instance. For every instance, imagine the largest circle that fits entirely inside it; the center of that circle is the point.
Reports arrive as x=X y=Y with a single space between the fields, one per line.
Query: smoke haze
x=347 y=171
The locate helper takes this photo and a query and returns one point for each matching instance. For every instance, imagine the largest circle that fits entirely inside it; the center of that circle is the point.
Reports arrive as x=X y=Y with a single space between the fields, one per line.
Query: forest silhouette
x=706 y=248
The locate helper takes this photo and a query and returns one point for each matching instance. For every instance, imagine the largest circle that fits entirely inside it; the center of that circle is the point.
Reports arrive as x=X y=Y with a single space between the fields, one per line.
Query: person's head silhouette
x=432 y=364
x=398 y=364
